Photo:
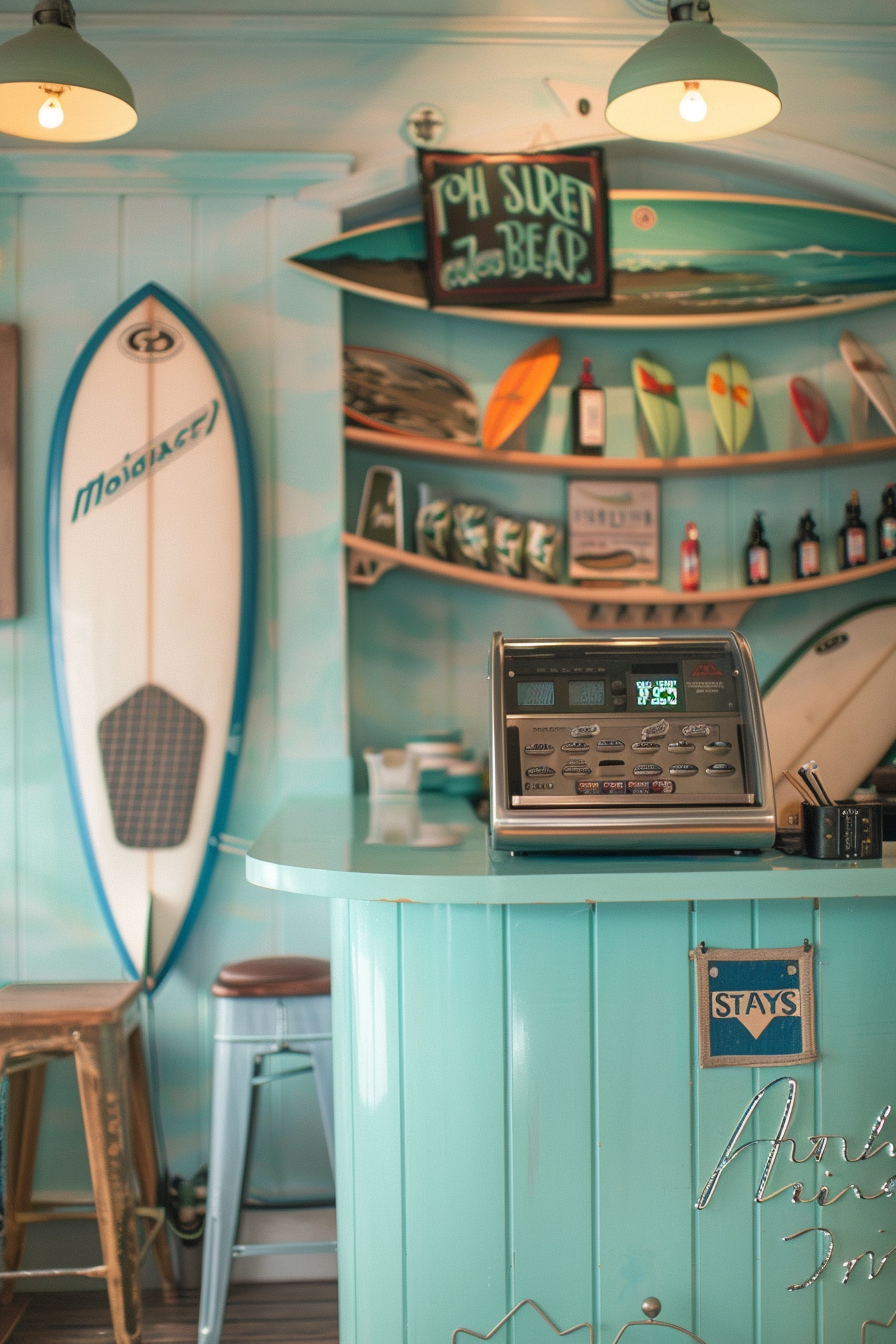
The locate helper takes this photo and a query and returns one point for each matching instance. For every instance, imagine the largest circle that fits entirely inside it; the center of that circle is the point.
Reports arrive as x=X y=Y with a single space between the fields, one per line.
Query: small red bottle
x=690 y=559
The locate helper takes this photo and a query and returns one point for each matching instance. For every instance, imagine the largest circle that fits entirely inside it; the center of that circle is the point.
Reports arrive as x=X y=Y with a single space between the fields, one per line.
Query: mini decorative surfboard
x=832 y=701
x=679 y=258
x=811 y=408
x=730 y=393
x=658 y=402
x=403 y=395
x=519 y=390
x=872 y=375
x=151 y=535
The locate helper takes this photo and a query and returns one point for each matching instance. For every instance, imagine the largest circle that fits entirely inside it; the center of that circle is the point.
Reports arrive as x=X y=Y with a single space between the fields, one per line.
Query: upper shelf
x=679 y=259
x=576 y=464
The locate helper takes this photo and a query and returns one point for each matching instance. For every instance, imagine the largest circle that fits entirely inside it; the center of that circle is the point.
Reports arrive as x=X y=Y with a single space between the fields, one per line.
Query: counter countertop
x=433 y=850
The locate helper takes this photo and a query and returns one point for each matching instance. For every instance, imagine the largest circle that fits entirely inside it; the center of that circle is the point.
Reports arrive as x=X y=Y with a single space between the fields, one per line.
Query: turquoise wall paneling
x=523 y=1115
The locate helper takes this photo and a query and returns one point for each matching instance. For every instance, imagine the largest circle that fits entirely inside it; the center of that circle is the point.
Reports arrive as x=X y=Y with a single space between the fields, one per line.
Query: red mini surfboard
x=811 y=407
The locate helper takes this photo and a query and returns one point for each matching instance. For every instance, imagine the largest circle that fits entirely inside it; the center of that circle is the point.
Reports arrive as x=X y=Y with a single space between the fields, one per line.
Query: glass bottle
x=759 y=555
x=588 y=414
x=690 y=559
x=806 y=549
x=886 y=525
x=852 y=539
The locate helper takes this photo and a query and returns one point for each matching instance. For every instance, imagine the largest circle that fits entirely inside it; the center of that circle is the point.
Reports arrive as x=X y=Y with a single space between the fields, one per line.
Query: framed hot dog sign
x=515 y=229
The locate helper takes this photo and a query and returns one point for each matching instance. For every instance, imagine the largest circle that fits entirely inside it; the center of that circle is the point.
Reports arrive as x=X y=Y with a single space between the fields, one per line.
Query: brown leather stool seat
x=273 y=978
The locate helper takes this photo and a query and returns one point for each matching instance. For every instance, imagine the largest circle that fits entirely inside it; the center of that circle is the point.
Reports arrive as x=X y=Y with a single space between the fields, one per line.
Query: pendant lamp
x=56 y=86
x=692 y=83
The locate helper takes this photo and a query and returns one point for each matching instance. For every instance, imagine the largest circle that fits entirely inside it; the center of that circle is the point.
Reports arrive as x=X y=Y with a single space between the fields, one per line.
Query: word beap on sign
x=755 y=1005
x=515 y=228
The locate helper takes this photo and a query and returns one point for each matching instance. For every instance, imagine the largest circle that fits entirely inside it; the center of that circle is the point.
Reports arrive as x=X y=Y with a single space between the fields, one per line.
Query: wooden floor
x=276 y=1313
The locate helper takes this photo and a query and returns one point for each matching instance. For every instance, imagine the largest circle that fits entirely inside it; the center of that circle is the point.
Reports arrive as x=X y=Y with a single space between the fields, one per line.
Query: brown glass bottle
x=852 y=539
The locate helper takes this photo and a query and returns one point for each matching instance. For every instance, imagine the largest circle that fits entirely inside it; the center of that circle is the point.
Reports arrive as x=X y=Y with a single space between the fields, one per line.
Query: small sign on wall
x=755 y=1005
x=515 y=228
x=613 y=530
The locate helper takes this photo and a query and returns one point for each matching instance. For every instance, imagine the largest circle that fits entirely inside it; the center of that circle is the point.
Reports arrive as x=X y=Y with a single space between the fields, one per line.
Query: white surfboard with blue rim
x=151 y=537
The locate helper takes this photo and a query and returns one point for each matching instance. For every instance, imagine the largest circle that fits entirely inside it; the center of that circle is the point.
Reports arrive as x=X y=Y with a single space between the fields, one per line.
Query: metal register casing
x=649 y=742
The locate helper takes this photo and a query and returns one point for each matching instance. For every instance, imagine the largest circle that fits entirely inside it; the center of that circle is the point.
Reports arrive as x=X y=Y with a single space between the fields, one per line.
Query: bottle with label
x=690 y=559
x=759 y=555
x=588 y=414
x=886 y=525
x=807 y=549
x=852 y=539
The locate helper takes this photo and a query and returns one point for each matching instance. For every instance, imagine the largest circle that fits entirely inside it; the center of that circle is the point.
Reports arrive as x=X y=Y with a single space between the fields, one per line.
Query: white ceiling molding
x=416 y=30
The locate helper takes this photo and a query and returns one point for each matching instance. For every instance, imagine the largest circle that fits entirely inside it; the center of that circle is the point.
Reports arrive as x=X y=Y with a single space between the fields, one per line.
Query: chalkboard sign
x=515 y=229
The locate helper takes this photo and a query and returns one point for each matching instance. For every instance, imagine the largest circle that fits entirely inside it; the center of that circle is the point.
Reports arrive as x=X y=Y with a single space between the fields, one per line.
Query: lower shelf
x=599 y=607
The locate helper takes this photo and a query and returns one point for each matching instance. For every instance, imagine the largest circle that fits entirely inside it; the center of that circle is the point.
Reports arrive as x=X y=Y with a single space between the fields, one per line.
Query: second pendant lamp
x=692 y=83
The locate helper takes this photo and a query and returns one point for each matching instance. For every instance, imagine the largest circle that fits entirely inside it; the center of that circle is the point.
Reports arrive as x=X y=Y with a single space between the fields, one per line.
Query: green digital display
x=530 y=693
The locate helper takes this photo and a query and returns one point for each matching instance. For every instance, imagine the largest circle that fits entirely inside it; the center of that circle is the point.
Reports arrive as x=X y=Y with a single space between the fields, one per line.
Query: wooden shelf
x=413 y=445
x=599 y=607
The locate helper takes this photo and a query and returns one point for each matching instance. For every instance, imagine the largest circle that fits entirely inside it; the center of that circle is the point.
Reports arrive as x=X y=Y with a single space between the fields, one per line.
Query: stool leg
x=234 y=1069
x=26 y=1091
x=100 y=1058
x=322 y=1054
x=144 y=1145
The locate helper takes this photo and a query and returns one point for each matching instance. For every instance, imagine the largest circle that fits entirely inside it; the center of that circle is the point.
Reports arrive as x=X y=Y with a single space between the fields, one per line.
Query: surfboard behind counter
x=151 y=535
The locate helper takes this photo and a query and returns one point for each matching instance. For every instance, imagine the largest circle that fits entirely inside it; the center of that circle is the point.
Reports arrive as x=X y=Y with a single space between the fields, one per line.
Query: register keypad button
x=617 y=686
x=610 y=786
x=539 y=748
x=610 y=744
x=681 y=748
x=575 y=746
x=683 y=770
x=720 y=768
x=662 y=786
x=658 y=729
x=585 y=730
x=647 y=770
x=638 y=785
x=619 y=701
x=717 y=748
x=650 y=748
x=577 y=768
x=696 y=730
x=542 y=770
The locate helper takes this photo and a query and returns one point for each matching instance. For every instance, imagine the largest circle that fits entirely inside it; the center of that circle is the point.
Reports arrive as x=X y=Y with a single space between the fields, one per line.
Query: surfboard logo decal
x=150 y=341
x=135 y=467
x=832 y=642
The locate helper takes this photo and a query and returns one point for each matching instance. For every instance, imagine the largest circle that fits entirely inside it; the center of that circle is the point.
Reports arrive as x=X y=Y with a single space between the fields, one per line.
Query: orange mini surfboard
x=519 y=390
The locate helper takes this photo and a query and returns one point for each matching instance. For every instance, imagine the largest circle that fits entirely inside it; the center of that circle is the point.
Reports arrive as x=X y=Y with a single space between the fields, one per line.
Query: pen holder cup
x=847 y=830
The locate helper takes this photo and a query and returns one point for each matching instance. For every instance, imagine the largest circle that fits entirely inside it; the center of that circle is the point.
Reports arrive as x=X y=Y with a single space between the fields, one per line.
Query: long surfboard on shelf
x=730 y=392
x=679 y=258
x=151 y=537
x=658 y=403
x=519 y=390
x=870 y=371
x=402 y=395
x=832 y=701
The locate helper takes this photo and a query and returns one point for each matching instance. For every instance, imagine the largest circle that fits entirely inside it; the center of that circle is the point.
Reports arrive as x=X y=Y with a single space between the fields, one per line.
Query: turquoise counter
x=519 y=1109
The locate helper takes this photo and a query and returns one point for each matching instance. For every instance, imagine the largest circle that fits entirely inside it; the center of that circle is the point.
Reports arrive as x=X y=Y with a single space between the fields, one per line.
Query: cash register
x=654 y=742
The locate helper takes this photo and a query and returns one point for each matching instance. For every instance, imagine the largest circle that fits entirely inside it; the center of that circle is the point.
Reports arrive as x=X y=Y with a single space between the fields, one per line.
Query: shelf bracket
x=593 y=615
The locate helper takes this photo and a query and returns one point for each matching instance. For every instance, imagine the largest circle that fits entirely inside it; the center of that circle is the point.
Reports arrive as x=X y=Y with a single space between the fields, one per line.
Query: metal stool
x=264 y=1007
x=99 y=1025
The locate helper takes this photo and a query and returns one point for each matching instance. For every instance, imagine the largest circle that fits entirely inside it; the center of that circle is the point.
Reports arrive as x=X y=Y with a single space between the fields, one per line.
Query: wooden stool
x=265 y=1006
x=99 y=1025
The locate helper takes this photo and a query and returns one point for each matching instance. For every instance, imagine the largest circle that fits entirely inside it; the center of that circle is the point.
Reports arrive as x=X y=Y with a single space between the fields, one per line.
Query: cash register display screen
x=587 y=692
x=656 y=692
x=530 y=693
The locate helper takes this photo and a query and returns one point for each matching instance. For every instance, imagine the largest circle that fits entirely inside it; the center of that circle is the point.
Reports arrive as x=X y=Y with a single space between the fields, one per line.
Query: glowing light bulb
x=693 y=105
x=50 y=113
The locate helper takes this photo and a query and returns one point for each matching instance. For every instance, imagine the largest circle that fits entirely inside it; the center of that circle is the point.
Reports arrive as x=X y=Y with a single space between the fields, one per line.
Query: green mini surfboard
x=730 y=393
x=658 y=402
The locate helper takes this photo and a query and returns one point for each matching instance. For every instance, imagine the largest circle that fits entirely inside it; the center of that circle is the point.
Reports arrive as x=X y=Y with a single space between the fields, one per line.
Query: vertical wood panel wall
x=527 y=1118
x=213 y=229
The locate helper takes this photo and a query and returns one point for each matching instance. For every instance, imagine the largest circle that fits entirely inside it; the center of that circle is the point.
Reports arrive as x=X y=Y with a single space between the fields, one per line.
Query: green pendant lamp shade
x=56 y=86
x=692 y=83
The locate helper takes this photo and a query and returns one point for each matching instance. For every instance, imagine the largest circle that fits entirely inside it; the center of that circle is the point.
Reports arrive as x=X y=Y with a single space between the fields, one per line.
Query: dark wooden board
x=269 y=1313
x=10 y=1316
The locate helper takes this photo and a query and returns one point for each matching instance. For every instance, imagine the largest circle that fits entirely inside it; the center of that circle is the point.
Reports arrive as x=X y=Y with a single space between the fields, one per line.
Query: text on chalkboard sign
x=515 y=228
